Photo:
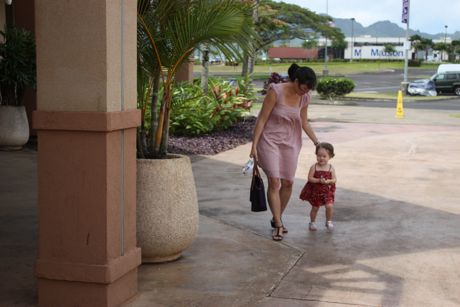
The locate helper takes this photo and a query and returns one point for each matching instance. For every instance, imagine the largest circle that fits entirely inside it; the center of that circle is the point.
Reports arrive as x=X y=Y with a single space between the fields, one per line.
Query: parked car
x=448 y=67
x=423 y=87
x=447 y=82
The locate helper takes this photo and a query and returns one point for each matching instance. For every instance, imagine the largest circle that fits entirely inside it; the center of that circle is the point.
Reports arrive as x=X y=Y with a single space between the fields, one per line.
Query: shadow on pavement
x=386 y=250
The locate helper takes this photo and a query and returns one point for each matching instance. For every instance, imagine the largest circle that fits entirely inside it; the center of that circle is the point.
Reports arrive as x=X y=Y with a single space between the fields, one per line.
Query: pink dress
x=318 y=194
x=281 y=139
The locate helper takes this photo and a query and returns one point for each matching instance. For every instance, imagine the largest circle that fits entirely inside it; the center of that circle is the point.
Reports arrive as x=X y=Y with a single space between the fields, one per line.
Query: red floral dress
x=319 y=194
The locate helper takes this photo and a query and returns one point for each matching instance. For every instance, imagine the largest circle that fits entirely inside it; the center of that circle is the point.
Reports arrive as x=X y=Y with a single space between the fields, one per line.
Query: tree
x=426 y=44
x=282 y=21
x=168 y=33
x=310 y=43
x=455 y=48
x=339 y=45
x=416 y=42
x=443 y=47
x=389 y=49
x=421 y=43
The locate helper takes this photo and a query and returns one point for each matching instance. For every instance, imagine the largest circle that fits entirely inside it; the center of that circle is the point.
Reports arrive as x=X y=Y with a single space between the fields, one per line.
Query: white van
x=448 y=67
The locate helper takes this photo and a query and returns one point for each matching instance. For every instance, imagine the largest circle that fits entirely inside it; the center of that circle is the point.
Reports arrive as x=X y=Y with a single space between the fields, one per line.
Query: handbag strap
x=255 y=169
x=255 y=173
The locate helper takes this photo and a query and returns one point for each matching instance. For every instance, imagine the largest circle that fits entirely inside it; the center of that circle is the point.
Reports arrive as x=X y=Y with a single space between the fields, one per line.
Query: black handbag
x=257 y=194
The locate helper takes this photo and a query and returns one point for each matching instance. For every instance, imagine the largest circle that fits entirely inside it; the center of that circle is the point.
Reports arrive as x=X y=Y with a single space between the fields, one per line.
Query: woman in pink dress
x=277 y=138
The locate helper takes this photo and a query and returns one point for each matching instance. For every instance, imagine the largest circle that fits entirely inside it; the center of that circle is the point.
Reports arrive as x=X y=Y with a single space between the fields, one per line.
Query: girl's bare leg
x=313 y=213
x=329 y=212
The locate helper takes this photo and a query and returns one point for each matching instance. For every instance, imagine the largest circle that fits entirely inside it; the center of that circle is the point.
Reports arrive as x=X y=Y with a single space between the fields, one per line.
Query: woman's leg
x=274 y=186
x=285 y=193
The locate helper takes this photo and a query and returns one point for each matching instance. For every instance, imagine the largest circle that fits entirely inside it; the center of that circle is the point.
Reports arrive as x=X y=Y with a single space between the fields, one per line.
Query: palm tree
x=416 y=42
x=426 y=44
x=168 y=32
x=443 y=47
x=455 y=48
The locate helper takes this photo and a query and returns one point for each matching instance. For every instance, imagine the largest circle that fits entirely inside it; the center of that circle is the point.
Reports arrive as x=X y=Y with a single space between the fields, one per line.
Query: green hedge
x=415 y=63
x=330 y=87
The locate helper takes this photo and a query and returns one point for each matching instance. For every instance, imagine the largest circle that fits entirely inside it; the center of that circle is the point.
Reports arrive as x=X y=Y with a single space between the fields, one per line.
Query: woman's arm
x=306 y=125
x=264 y=114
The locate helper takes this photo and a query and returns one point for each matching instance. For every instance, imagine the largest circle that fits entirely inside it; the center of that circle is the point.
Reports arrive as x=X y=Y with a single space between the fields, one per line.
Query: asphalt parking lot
x=387 y=81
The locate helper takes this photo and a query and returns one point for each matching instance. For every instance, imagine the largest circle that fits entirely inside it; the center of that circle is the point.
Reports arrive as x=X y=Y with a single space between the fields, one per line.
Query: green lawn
x=335 y=68
x=261 y=72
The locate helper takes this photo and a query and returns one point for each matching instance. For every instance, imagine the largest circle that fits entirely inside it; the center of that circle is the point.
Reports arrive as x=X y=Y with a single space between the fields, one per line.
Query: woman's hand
x=253 y=153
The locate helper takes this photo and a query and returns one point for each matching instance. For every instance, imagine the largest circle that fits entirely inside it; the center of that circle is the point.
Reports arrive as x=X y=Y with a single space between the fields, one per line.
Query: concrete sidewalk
x=396 y=241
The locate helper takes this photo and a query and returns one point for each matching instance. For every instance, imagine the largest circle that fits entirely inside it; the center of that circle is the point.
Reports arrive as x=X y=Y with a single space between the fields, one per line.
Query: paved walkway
x=396 y=241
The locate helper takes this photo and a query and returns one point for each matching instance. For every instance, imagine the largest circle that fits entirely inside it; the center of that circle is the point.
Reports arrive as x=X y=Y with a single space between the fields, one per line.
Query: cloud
x=425 y=15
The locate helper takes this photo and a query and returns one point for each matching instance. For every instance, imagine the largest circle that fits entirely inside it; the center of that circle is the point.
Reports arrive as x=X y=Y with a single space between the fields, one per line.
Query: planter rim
x=169 y=157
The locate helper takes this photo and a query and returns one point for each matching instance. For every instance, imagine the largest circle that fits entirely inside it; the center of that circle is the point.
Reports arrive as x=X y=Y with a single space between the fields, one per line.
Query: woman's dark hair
x=327 y=146
x=303 y=75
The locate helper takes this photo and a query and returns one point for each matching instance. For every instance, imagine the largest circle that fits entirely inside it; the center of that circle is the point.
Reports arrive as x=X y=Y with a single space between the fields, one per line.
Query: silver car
x=424 y=87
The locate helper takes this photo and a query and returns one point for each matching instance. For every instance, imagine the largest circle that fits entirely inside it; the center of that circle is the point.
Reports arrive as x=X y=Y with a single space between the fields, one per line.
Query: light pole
x=352 y=39
x=445 y=34
x=325 y=71
x=445 y=40
x=405 y=19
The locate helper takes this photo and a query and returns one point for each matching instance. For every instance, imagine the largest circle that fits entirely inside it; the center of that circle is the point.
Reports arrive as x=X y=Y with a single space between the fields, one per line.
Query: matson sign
x=375 y=53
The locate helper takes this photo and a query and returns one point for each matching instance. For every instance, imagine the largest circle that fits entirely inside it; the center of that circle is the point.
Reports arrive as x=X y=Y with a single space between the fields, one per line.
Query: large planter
x=14 y=127
x=167 y=208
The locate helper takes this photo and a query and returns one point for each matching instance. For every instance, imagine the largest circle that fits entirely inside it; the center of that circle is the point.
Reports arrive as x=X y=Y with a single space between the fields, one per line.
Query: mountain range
x=384 y=29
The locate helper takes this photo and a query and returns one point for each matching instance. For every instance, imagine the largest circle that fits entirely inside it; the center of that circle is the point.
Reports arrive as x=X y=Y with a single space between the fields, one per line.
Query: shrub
x=195 y=113
x=415 y=63
x=231 y=63
x=246 y=87
x=17 y=64
x=191 y=111
x=231 y=104
x=329 y=87
x=274 y=78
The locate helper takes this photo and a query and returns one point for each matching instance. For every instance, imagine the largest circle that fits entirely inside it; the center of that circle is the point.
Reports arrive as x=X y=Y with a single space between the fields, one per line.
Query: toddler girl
x=320 y=188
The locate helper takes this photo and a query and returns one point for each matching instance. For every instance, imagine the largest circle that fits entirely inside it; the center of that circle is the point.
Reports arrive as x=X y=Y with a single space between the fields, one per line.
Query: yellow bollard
x=399 y=106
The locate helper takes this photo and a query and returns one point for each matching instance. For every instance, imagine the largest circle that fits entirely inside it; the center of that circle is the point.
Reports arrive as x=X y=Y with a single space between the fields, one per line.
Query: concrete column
x=86 y=122
x=185 y=72
x=2 y=16
x=22 y=13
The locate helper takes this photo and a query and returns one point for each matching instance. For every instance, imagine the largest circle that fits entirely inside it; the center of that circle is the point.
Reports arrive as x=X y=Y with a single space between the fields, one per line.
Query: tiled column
x=2 y=17
x=185 y=72
x=86 y=120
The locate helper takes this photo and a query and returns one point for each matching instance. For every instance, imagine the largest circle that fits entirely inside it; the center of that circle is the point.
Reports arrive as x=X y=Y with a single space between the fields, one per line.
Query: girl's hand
x=323 y=181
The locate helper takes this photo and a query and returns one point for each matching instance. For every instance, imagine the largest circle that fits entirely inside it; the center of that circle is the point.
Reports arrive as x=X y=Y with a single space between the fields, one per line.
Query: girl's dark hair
x=329 y=148
x=303 y=75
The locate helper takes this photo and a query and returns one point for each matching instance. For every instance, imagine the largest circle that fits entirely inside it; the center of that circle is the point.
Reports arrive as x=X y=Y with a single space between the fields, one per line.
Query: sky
x=425 y=15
